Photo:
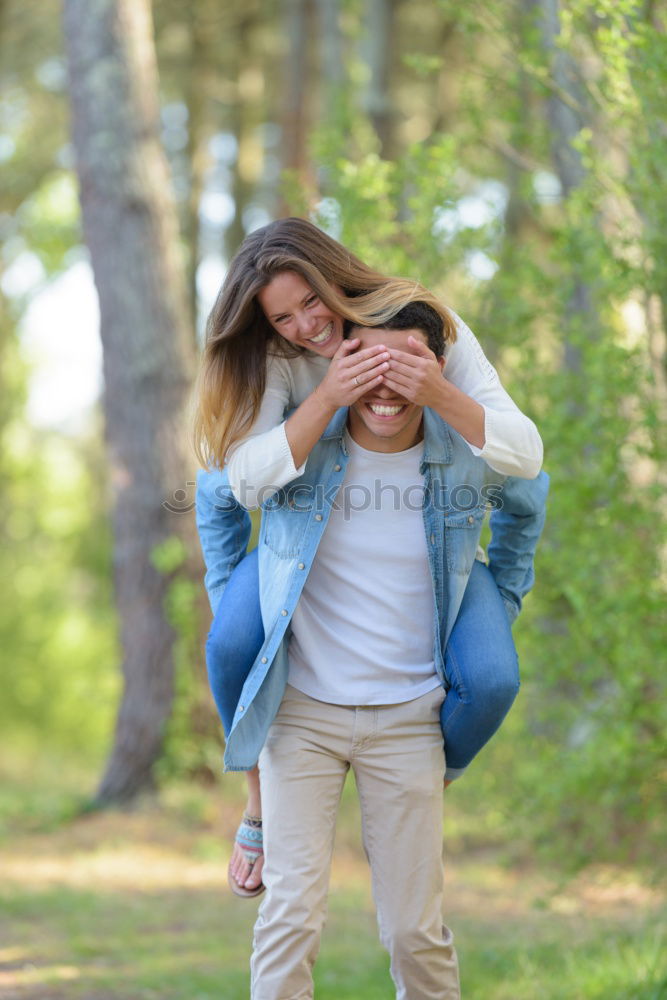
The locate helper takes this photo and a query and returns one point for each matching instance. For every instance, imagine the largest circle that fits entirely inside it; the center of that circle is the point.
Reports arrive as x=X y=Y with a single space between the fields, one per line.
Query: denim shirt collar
x=437 y=437
x=437 y=440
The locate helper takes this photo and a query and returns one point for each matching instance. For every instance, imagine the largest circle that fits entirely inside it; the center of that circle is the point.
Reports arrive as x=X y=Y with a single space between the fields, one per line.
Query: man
x=363 y=564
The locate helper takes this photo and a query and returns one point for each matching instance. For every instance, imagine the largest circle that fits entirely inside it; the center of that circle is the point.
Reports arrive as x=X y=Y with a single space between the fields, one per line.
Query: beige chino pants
x=397 y=756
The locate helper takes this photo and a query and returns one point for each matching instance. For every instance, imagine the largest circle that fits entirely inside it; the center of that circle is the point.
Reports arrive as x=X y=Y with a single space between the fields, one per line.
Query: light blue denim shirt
x=458 y=488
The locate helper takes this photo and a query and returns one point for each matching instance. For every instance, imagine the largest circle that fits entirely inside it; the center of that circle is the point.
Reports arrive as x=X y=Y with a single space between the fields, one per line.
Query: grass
x=135 y=906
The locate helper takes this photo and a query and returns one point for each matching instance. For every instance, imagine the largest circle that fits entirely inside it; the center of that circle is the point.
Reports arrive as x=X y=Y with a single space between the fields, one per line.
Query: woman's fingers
x=419 y=347
x=346 y=347
x=368 y=353
x=363 y=387
x=397 y=382
x=410 y=371
x=366 y=370
x=405 y=355
x=402 y=360
x=361 y=369
x=350 y=345
x=360 y=364
x=410 y=374
x=353 y=372
x=417 y=376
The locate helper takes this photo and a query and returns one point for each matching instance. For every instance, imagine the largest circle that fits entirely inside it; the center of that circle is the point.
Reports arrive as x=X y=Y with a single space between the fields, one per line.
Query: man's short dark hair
x=414 y=316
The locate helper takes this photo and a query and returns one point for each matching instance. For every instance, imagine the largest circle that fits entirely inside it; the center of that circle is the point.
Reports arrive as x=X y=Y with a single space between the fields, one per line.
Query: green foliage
x=58 y=634
x=49 y=219
x=169 y=555
x=423 y=65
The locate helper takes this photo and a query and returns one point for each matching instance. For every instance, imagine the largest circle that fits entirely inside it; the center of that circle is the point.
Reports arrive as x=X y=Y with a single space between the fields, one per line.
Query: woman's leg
x=482 y=671
x=234 y=640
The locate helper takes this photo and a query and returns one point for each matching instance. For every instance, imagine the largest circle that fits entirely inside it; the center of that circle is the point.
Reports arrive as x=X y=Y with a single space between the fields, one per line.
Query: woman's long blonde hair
x=232 y=375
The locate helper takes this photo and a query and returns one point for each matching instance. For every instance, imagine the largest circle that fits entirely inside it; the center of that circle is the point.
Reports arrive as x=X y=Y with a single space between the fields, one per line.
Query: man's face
x=381 y=419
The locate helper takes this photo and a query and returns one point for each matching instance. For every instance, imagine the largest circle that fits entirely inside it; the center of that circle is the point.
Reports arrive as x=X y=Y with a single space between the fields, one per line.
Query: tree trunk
x=245 y=118
x=131 y=230
x=294 y=111
x=331 y=45
x=380 y=57
x=565 y=108
x=195 y=90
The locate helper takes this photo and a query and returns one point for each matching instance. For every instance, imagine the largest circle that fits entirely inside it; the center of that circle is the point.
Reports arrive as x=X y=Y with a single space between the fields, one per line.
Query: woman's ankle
x=254 y=803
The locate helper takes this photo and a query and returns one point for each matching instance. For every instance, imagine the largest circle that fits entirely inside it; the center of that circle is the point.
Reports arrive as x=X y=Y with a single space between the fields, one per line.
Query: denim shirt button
x=284 y=612
x=318 y=517
x=432 y=539
x=471 y=520
x=302 y=566
x=241 y=708
x=265 y=659
x=336 y=468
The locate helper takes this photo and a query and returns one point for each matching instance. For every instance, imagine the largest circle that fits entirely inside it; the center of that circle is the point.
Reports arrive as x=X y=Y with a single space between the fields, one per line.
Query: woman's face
x=295 y=312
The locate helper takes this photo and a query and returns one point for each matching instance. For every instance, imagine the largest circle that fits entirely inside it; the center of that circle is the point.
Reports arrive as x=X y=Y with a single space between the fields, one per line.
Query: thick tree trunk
x=130 y=226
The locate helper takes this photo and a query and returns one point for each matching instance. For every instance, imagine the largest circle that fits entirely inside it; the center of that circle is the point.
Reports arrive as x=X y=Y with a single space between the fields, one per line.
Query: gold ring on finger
x=356 y=379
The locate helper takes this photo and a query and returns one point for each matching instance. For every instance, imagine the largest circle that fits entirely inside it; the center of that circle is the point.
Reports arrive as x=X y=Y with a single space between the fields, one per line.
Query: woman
x=291 y=279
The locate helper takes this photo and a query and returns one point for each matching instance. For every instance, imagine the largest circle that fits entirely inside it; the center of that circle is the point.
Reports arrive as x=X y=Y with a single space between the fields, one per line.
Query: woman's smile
x=298 y=314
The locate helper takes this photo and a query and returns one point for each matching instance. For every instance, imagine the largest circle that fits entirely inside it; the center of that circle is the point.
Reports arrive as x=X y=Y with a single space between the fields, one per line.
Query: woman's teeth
x=323 y=336
x=384 y=411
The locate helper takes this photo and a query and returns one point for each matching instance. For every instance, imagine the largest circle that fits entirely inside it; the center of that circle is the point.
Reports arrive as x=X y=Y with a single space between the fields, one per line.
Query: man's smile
x=386 y=409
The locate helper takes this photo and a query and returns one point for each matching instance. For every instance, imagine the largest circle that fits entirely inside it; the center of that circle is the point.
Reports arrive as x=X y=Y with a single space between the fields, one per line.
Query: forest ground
x=135 y=906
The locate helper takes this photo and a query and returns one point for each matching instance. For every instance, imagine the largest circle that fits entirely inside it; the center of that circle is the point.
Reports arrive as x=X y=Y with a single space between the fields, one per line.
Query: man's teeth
x=321 y=337
x=385 y=411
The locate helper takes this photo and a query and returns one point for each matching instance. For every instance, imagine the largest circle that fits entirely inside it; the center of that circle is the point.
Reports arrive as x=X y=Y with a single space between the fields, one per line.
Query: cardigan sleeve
x=261 y=462
x=512 y=445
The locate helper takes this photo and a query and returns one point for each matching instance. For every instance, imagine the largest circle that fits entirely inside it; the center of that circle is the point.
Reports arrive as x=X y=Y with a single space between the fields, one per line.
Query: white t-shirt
x=263 y=458
x=362 y=631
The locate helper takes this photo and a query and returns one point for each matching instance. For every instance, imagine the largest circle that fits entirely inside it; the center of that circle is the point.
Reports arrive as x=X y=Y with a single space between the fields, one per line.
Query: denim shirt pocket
x=284 y=521
x=462 y=531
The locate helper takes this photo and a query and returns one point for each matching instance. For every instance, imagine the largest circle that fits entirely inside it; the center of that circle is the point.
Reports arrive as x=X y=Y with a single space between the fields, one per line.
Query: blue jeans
x=481 y=666
x=481 y=670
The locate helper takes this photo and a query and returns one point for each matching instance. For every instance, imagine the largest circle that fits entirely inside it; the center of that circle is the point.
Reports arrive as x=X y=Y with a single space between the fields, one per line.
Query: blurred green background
x=512 y=157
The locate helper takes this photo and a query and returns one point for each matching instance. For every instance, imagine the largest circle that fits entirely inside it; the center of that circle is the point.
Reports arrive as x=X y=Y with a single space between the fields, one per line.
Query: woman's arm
x=262 y=459
x=511 y=442
x=275 y=452
x=472 y=400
